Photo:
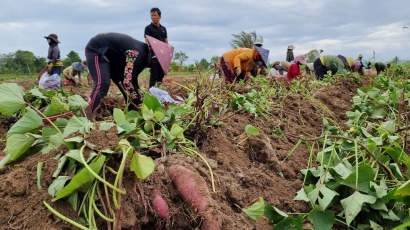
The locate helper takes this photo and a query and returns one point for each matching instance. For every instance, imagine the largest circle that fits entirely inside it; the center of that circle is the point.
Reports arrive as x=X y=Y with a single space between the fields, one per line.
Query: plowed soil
x=244 y=169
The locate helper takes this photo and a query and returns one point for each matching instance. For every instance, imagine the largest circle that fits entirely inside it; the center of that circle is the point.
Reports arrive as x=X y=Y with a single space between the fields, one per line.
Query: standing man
x=289 y=54
x=155 y=30
x=54 y=65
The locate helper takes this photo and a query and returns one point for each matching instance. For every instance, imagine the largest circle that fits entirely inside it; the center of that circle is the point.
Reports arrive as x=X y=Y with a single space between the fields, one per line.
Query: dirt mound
x=244 y=168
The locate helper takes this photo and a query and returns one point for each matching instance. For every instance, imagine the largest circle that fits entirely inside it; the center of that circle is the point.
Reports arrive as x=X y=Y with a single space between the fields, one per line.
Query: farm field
x=309 y=151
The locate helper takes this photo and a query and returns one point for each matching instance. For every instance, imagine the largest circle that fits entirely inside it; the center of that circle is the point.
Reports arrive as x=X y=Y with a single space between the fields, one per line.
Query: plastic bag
x=50 y=82
x=163 y=96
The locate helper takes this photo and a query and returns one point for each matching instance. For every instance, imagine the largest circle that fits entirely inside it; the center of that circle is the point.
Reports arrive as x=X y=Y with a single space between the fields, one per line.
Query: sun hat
x=264 y=54
x=291 y=47
x=53 y=36
x=258 y=41
x=360 y=56
x=276 y=63
x=77 y=66
x=163 y=51
x=300 y=59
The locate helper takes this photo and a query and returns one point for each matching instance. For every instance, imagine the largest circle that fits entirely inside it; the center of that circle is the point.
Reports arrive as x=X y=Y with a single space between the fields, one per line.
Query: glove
x=238 y=71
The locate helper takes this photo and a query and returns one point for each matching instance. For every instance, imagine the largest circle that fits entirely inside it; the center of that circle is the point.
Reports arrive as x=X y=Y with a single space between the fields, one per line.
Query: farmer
x=237 y=63
x=73 y=70
x=117 y=57
x=294 y=69
x=289 y=54
x=326 y=63
x=54 y=65
x=158 y=31
x=259 y=68
x=381 y=67
x=309 y=68
x=274 y=72
x=350 y=63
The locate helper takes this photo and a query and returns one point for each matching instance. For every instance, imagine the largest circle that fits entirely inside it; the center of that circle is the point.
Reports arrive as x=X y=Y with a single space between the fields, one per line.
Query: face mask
x=48 y=40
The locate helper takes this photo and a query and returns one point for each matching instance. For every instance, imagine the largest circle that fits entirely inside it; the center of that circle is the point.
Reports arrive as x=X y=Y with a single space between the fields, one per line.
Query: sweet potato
x=160 y=206
x=193 y=190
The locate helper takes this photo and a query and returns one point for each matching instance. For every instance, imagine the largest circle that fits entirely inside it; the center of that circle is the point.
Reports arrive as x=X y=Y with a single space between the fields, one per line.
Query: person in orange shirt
x=237 y=63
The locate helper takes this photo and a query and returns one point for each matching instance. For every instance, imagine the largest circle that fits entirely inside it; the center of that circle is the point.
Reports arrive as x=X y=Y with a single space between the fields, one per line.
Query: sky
x=204 y=28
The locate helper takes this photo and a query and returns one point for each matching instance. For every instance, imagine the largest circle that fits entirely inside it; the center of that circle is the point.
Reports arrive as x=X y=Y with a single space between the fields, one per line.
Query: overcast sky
x=204 y=28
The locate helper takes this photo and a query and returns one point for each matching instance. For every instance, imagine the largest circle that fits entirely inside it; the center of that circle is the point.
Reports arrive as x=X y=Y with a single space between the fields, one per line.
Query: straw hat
x=291 y=47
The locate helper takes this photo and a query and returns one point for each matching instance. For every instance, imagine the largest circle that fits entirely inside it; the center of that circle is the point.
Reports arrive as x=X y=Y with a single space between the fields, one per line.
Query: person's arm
x=166 y=36
x=146 y=32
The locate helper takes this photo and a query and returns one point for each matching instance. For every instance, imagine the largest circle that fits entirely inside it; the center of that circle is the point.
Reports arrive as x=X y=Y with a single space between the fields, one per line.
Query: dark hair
x=388 y=65
x=155 y=9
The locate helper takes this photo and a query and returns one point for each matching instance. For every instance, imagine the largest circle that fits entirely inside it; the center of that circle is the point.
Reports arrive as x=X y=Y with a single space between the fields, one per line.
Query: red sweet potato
x=193 y=189
x=160 y=206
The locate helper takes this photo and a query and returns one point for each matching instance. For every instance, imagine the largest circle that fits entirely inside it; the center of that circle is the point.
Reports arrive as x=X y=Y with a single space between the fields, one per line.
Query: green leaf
x=398 y=154
x=390 y=125
x=301 y=195
x=342 y=170
x=274 y=215
x=378 y=113
x=57 y=185
x=373 y=92
x=353 y=115
x=76 y=102
x=56 y=107
x=403 y=190
x=177 y=131
x=290 y=223
x=30 y=122
x=377 y=140
x=152 y=102
x=82 y=180
x=53 y=142
x=381 y=190
x=122 y=122
x=167 y=134
x=73 y=200
x=47 y=132
x=251 y=130
x=353 y=205
x=365 y=175
x=11 y=98
x=18 y=144
x=322 y=195
x=390 y=216
x=256 y=210
x=321 y=220
x=142 y=165
x=159 y=115
x=75 y=124
x=75 y=154
x=60 y=165
x=36 y=92
x=147 y=113
x=375 y=226
x=379 y=205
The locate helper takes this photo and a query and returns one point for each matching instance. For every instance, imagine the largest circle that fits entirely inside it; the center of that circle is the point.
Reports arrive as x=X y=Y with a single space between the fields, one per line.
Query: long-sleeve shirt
x=242 y=57
x=294 y=72
x=289 y=56
x=273 y=73
x=54 y=55
x=332 y=63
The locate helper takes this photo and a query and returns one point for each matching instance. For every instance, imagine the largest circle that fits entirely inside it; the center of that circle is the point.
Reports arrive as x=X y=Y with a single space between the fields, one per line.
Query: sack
x=50 y=82
x=164 y=97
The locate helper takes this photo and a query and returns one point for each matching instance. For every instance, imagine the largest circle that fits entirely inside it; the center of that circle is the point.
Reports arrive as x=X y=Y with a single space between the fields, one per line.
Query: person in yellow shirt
x=74 y=70
x=54 y=65
x=236 y=64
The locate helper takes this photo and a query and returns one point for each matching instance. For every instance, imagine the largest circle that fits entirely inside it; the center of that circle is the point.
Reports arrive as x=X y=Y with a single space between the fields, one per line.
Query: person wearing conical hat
x=54 y=65
x=120 y=58
x=237 y=63
x=70 y=73
x=259 y=68
x=289 y=54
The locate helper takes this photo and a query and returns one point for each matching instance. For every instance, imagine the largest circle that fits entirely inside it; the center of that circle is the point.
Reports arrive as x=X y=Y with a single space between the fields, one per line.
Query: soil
x=243 y=168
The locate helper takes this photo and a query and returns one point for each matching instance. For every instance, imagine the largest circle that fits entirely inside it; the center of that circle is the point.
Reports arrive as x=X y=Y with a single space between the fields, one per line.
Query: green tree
x=214 y=59
x=181 y=57
x=203 y=64
x=244 y=40
x=71 y=57
x=395 y=60
x=24 y=61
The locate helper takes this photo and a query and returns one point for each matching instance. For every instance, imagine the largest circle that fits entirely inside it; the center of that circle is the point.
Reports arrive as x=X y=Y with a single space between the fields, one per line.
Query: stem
x=206 y=163
x=119 y=175
x=102 y=215
x=39 y=168
x=61 y=216
x=42 y=114
x=96 y=175
x=357 y=162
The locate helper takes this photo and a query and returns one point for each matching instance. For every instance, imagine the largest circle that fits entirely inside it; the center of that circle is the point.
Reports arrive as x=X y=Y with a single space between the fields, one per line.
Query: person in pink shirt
x=294 y=69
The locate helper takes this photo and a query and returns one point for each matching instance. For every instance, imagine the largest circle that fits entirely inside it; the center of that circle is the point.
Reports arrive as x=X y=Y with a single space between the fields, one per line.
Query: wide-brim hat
x=264 y=54
x=77 y=66
x=276 y=63
x=163 y=51
x=258 y=41
x=53 y=36
x=291 y=47
x=301 y=59
x=360 y=56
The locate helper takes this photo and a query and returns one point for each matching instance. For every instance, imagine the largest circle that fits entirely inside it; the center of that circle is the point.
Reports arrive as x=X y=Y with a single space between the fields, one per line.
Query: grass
x=145 y=73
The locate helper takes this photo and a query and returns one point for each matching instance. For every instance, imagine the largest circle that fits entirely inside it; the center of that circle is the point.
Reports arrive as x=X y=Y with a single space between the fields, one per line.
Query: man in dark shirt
x=155 y=30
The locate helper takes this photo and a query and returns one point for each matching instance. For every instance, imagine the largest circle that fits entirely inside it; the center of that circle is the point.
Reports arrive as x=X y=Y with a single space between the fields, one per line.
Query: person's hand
x=49 y=70
x=238 y=71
